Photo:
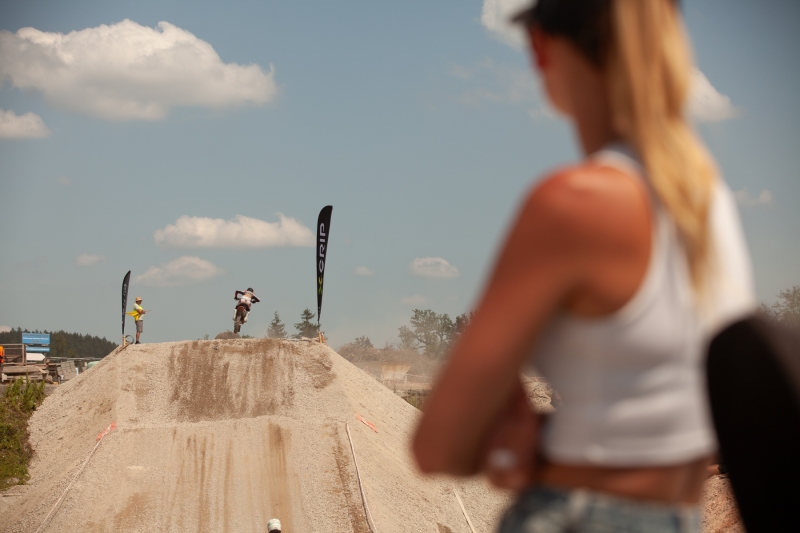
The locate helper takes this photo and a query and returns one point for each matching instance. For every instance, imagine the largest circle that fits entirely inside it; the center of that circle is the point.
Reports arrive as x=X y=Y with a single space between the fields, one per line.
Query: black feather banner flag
x=125 y=298
x=323 y=237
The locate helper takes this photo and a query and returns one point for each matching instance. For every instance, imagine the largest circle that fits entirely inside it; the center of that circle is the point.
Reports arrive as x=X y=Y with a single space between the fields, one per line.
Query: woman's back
x=631 y=382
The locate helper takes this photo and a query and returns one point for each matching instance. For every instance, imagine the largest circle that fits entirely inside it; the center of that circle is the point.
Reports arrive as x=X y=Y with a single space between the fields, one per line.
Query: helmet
x=274 y=525
x=250 y=289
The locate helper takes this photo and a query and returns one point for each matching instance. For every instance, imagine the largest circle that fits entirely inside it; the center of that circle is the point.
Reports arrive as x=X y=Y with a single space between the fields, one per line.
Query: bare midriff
x=667 y=484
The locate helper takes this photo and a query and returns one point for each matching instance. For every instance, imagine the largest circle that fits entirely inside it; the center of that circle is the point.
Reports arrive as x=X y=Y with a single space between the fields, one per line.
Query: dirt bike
x=242 y=307
x=240 y=316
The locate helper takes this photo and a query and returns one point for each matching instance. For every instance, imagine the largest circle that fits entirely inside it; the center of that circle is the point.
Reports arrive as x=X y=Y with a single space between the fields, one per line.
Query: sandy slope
x=222 y=436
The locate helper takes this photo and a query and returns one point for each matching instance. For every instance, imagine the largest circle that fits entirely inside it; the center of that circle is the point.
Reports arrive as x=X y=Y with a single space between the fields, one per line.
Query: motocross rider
x=247 y=299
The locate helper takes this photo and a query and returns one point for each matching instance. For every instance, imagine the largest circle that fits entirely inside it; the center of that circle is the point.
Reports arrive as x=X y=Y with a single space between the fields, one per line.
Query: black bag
x=753 y=371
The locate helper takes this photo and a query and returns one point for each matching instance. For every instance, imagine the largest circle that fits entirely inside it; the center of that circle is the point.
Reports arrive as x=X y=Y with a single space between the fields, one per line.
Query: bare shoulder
x=588 y=202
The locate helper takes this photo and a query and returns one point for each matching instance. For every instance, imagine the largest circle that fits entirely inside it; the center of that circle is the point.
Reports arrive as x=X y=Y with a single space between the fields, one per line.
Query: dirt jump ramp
x=221 y=436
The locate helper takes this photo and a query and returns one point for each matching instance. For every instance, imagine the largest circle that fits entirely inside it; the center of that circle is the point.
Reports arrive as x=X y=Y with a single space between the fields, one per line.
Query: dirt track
x=224 y=435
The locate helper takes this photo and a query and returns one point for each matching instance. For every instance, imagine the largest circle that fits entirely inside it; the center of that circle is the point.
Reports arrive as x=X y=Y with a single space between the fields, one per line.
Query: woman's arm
x=509 y=459
x=571 y=232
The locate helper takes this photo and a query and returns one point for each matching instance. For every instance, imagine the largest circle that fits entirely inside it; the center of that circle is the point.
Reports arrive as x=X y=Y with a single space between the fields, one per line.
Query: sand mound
x=224 y=435
x=227 y=335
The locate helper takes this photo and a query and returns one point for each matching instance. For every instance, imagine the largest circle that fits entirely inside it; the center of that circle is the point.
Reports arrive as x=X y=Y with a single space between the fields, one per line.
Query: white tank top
x=632 y=383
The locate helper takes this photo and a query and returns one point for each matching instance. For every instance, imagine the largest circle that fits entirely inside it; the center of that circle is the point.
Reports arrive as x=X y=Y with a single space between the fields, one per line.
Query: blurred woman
x=613 y=277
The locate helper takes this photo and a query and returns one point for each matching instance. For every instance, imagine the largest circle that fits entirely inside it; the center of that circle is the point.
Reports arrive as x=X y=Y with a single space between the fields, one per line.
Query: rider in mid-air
x=247 y=299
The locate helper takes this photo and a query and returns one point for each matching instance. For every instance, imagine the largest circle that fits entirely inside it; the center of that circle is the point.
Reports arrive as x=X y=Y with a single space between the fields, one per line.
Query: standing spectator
x=616 y=273
x=138 y=317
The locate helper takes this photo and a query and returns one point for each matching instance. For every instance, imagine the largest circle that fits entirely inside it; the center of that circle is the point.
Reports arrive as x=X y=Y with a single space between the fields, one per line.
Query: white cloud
x=181 y=271
x=241 y=232
x=89 y=259
x=4 y=329
x=415 y=300
x=363 y=271
x=495 y=17
x=495 y=83
x=126 y=71
x=745 y=199
x=706 y=104
x=544 y=112
x=27 y=126
x=433 y=267
x=63 y=180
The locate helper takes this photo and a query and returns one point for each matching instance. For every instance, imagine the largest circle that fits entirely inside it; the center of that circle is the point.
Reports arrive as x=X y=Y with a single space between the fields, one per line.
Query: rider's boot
x=247 y=314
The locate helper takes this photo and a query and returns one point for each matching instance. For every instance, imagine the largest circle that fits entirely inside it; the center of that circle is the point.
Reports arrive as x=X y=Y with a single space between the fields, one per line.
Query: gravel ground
x=222 y=436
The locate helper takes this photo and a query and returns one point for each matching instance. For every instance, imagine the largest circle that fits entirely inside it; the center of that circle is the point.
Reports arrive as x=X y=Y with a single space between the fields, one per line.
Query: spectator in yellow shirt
x=139 y=317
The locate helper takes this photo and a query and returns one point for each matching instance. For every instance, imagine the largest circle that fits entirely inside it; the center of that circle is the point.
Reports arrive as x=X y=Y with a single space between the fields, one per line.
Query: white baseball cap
x=274 y=525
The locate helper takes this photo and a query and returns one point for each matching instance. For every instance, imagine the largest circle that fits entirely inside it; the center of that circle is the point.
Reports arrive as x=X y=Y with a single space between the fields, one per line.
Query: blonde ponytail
x=649 y=71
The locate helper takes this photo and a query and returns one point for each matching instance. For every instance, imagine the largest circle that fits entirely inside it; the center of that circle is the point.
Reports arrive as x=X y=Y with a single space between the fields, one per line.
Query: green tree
x=356 y=351
x=363 y=343
x=407 y=339
x=306 y=328
x=277 y=329
x=462 y=321
x=17 y=404
x=13 y=336
x=429 y=332
x=457 y=328
x=63 y=344
x=786 y=310
x=58 y=345
x=432 y=333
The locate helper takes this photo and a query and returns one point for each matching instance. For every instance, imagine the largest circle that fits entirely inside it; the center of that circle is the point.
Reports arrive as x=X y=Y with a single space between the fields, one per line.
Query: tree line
x=305 y=328
x=428 y=334
x=433 y=334
x=786 y=310
x=64 y=344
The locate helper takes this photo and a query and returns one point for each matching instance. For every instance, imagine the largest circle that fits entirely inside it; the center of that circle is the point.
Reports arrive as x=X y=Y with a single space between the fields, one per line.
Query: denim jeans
x=550 y=510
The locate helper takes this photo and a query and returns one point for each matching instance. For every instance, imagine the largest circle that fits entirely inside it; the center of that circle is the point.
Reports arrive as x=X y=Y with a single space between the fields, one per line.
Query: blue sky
x=136 y=146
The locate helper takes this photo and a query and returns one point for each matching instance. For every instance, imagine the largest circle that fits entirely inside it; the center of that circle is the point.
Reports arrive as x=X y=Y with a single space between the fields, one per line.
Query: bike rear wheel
x=238 y=319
